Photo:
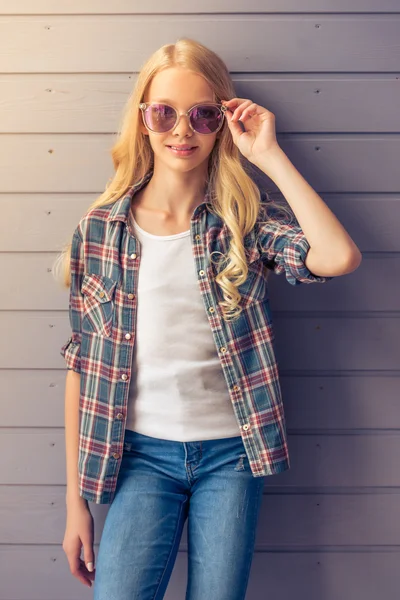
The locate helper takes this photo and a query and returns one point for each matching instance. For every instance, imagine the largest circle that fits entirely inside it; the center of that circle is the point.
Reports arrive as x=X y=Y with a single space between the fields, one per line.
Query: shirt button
x=236 y=388
x=133 y=255
x=131 y=296
x=198 y=237
x=201 y=273
x=246 y=426
x=116 y=455
x=222 y=349
x=124 y=376
x=211 y=309
x=128 y=336
x=120 y=416
x=102 y=294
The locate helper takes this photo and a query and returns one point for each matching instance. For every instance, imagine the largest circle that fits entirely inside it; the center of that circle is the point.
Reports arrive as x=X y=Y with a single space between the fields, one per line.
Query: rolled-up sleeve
x=284 y=247
x=71 y=350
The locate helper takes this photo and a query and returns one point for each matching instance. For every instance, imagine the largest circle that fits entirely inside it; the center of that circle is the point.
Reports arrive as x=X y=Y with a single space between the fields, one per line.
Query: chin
x=181 y=164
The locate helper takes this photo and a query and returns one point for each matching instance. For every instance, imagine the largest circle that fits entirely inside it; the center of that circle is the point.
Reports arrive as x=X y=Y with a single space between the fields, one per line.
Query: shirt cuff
x=295 y=256
x=71 y=352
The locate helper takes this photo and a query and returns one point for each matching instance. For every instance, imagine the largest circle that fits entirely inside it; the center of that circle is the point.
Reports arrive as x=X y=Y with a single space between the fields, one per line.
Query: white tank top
x=177 y=390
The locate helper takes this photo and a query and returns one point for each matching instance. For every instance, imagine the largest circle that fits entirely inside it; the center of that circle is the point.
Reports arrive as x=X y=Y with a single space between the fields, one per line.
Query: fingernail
x=90 y=566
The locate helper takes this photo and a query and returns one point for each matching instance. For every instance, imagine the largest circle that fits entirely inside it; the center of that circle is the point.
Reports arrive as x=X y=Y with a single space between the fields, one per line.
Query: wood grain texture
x=329 y=70
x=94 y=44
x=302 y=103
x=208 y=6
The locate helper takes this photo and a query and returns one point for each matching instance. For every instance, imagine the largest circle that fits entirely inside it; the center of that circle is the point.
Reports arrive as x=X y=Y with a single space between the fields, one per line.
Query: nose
x=182 y=127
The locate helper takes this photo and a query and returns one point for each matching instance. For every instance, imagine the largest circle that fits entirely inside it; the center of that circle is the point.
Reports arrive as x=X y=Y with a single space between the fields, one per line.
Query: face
x=180 y=88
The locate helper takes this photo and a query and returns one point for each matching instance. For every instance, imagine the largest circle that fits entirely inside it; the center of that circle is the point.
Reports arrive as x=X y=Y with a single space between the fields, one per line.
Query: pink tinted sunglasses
x=204 y=118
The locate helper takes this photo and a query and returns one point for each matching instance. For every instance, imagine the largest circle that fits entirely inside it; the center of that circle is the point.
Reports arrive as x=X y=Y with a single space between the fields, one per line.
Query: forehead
x=179 y=87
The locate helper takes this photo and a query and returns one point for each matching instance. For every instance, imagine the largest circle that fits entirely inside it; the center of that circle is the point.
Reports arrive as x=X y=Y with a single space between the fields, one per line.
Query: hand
x=259 y=137
x=80 y=532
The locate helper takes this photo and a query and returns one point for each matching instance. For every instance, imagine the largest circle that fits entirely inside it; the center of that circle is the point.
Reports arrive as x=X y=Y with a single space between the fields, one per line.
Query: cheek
x=156 y=142
x=210 y=144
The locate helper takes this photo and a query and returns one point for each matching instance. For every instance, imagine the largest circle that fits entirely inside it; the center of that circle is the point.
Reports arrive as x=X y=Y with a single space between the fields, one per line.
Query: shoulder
x=94 y=222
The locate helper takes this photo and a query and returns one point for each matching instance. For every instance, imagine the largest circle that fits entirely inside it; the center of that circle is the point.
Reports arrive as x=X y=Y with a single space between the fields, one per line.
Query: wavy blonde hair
x=235 y=198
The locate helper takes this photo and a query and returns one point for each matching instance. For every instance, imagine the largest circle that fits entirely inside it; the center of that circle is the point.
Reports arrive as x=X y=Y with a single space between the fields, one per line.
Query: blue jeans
x=160 y=484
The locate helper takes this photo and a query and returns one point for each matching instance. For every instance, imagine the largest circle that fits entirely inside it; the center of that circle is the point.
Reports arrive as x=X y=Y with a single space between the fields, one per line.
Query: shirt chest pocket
x=98 y=292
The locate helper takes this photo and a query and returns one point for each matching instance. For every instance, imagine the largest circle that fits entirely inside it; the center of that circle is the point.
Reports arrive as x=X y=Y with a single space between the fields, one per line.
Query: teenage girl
x=173 y=409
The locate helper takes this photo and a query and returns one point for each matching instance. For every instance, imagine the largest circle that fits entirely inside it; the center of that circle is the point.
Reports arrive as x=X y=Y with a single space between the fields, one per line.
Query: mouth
x=182 y=151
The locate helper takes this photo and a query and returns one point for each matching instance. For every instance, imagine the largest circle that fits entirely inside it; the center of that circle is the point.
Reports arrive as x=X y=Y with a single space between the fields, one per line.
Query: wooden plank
x=369 y=218
x=320 y=460
x=318 y=575
x=341 y=402
x=40 y=281
x=82 y=162
x=341 y=460
x=352 y=292
x=32 y=398
x=44 y=222
x=208 y=6
x=355 y=342
x=311 y=403
x=303 y=343
x=313 y=575
x=93 y=103
x=36 y=515
x=48 y=43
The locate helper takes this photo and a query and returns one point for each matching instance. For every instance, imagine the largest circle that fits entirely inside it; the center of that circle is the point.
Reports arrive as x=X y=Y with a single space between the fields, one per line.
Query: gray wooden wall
x=330 y=71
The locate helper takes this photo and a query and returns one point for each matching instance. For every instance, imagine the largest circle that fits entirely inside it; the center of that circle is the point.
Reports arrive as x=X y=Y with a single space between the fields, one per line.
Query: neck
x=175 y=193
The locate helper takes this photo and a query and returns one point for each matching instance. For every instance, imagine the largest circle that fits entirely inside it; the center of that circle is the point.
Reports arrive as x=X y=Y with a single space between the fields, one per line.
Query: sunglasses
x=204 y=118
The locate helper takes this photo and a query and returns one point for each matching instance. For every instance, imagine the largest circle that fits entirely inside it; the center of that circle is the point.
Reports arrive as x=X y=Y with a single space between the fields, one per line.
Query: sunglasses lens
x=206 y=119
x=160 y=117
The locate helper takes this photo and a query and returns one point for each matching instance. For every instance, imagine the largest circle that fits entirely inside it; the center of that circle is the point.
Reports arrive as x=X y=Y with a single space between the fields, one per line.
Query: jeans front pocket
x=98 y=291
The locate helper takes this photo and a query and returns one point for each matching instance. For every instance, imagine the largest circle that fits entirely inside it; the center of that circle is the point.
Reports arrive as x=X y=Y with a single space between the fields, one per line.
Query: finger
x=250 y=111
x=238 y=111
x=76 y=566
x=231 y=102
x=234 y=102
x=88 y=555
x=84 y=576
x=234 y=127
x=89 y=575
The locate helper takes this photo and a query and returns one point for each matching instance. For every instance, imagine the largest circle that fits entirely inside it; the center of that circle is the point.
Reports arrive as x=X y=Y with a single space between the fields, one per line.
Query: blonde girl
x=173 y=409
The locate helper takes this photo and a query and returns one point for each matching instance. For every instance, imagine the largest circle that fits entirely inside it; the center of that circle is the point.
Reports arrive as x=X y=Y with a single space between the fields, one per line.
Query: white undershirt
x=178 y=390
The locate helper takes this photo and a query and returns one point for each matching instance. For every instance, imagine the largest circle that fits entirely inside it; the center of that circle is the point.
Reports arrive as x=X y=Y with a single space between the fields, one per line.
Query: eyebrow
x=167 y=101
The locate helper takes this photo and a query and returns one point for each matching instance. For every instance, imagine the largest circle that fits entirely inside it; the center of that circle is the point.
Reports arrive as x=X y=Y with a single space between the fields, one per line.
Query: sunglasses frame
x=222 y=108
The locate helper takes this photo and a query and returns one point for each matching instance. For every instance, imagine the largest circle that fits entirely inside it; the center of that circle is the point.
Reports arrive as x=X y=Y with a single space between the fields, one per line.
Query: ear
x=143 y=129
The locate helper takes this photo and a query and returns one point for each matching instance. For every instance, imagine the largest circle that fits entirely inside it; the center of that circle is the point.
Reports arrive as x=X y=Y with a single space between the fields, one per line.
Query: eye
x=205 y=112
x=162 y=110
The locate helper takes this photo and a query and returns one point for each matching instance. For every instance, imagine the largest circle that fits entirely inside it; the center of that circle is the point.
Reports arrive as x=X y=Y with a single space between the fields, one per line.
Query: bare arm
x=80 y=526
x=332 y=250
x=72 y=388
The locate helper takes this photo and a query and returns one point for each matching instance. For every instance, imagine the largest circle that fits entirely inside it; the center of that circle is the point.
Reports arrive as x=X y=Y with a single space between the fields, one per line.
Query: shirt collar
x=119 y=210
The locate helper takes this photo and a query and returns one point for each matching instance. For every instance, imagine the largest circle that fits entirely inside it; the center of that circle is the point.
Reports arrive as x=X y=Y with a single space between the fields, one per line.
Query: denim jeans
x=160 y=484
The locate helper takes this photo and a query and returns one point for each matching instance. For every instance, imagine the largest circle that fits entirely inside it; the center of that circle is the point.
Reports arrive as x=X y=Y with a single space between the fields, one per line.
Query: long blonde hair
x=235 y=197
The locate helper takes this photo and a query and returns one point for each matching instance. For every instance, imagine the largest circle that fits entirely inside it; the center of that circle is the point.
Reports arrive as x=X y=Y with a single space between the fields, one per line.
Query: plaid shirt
x=105 y=259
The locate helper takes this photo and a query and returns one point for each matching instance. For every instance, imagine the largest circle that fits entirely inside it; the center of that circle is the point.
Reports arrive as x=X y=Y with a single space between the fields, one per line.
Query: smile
x=184 y=152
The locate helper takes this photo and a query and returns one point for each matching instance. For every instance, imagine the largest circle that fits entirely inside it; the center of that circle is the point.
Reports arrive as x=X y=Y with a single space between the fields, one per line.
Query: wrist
x=275 y=164
x=74 y=499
